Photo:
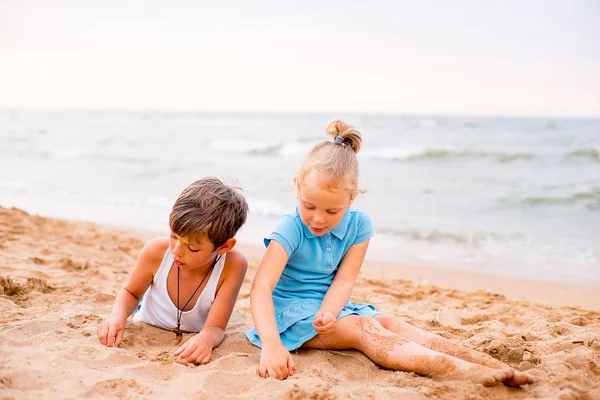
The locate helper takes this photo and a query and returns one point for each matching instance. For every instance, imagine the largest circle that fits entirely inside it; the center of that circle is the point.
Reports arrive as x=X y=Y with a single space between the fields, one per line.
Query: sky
x=458 y=57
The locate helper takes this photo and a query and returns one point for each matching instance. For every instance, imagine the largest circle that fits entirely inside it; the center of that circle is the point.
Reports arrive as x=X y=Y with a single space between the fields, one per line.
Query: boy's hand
x=324 y=322
x=275 y=362
x=197 y=350
x=110 y=332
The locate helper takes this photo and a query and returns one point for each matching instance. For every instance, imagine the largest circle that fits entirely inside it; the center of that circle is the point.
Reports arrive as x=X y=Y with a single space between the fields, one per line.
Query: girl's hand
x=110 y=332
x=324 y=322
x=197 y=350
x=275 y=362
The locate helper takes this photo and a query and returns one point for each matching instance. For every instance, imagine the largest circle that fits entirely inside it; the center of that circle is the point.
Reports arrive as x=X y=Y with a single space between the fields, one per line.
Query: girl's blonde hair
x=335 y=161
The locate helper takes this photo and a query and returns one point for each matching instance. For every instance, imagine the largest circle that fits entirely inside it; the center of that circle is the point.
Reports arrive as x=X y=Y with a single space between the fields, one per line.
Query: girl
x=300 y=295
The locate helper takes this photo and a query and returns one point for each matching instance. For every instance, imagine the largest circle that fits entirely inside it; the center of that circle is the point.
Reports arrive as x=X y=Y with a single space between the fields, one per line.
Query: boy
x=188 y=282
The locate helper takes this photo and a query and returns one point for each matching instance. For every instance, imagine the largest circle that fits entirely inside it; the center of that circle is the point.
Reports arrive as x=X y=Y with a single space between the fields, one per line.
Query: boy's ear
x=228 y=245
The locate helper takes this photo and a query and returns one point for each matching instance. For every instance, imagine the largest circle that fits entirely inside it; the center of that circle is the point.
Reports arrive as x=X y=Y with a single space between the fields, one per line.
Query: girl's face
x=189 y=255
x=320 y=209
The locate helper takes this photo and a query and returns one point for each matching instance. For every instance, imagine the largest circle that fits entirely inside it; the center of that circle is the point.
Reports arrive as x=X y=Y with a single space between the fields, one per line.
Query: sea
x=507 y=196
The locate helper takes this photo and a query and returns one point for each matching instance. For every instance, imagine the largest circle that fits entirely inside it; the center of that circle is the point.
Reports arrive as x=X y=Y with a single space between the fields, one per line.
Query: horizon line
x=293 y=112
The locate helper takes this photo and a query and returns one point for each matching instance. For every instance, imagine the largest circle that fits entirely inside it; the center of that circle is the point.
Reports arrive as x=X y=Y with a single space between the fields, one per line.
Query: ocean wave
x=128 y=159
x=84 y=154
x=263 y=207
x=39 y=191
x=390 y=154
x=403 y=154
x=398 y=154
x=589 y=153
x=438 y=236
x=239 y=146
x=590 y=199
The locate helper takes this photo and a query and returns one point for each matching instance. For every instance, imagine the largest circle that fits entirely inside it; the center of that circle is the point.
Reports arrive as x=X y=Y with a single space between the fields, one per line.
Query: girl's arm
x=261 y=300
x=275 y=360
x=199 y=348
x=340 y=290
x=111 y=331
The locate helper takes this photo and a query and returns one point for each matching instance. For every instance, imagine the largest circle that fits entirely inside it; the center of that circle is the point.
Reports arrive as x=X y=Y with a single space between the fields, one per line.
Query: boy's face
x=190 y=255
x=320 y=209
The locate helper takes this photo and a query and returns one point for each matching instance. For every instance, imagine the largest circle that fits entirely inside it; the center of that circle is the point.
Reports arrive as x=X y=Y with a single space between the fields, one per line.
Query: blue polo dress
x=312 y=265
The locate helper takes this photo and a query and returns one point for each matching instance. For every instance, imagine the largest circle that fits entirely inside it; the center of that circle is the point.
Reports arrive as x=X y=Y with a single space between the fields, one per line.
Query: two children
x=300 y=295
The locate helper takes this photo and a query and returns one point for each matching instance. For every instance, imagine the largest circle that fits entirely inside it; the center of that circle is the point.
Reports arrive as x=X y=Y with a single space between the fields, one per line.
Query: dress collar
x=339 y=231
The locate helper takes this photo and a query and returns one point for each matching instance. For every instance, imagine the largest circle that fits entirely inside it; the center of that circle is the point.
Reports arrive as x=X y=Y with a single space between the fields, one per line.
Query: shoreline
x=449 y=272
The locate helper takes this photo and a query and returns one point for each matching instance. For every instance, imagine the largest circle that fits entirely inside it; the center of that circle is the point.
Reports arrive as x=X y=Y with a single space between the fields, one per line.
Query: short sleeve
x=287 y=234
x=365 y=228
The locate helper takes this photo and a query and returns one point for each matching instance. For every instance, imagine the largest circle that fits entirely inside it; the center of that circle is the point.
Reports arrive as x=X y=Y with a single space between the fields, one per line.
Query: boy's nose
x=177 y=249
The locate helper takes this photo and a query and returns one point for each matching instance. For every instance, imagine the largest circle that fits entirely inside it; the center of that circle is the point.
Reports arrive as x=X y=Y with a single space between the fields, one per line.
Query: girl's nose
x=318 y=219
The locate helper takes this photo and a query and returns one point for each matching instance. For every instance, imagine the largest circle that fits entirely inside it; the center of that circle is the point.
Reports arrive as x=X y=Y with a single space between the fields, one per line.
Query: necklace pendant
x=178 y=335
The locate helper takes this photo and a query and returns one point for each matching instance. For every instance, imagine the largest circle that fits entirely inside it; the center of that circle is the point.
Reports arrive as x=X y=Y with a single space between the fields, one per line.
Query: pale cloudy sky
x=494 y=57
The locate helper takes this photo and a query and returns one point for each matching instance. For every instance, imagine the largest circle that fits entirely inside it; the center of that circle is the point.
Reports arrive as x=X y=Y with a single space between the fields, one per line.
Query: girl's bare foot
x=448 y=367
x=519 y=379
x=487 y=376
x=443 y=345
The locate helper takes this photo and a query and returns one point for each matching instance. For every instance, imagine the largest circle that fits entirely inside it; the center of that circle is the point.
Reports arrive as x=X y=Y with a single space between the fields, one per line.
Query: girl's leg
x=395 y=352
x=443 y=345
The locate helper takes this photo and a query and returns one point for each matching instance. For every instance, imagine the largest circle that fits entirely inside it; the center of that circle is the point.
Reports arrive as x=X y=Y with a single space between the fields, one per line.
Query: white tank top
x=156 y=307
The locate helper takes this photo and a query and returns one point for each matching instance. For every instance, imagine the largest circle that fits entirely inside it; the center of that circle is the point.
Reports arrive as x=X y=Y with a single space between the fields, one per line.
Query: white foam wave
x=238 y=146
x=391 y=153
x=267 y=208
x=295 y=148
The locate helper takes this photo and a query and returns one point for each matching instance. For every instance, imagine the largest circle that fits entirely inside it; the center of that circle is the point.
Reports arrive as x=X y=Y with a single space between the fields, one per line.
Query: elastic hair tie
x=339 y=140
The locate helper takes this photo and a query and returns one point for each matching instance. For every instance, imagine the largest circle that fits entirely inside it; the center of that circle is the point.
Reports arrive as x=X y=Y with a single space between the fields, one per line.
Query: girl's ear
x=352 y=197
x=296 y=182
x=228 y=245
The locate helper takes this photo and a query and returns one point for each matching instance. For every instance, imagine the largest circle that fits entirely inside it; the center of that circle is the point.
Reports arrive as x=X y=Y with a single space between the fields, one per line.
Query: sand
x=58 y=280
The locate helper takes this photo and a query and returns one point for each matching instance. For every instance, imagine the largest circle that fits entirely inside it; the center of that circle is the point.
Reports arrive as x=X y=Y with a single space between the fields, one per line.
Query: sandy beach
x=58 y=280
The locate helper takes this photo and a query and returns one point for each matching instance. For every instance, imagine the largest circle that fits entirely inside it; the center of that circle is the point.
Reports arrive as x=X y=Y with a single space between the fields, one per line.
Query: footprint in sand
x=219 y=383
x=30 y=333
x=7 y=305
x=69 y=264
x=9 y=287
x=118 y=388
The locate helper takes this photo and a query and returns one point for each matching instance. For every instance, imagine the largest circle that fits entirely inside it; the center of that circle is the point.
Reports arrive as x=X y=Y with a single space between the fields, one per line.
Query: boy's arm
x=340 y=290
x=111 y=331
x=141 y=277
x=198 y=349
x=234 y=272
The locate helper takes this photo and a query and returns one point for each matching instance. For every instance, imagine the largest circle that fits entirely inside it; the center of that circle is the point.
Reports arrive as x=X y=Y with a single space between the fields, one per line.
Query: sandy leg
x=392 y=351
x=445 y=346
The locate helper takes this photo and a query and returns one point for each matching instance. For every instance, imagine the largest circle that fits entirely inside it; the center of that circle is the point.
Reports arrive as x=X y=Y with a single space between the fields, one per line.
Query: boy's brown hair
x=208 y=209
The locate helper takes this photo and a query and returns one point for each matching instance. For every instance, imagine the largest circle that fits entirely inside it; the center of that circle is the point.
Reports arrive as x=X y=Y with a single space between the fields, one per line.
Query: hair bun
x=351 y=135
